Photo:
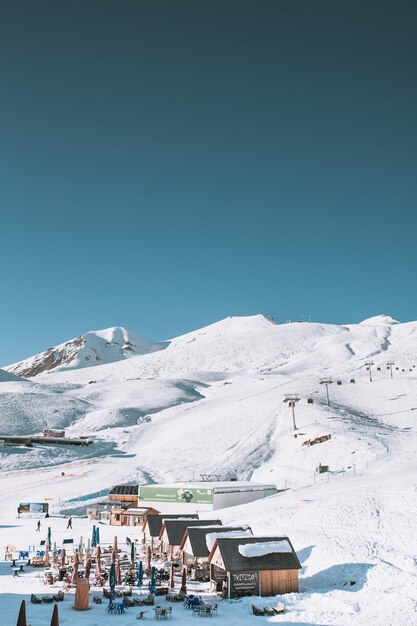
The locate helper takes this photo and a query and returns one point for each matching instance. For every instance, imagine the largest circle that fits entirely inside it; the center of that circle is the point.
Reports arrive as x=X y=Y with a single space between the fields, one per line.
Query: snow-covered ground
x=212 y=402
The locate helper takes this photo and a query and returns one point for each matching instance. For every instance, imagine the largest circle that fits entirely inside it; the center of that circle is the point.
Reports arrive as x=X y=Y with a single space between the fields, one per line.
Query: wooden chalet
x=243 y=566
x=172 y=533
x=152 y=526
x=134 y=516
x=195 y=551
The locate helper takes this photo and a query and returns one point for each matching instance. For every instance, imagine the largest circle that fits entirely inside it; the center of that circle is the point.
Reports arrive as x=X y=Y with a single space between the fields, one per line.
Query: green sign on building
x=172 y=494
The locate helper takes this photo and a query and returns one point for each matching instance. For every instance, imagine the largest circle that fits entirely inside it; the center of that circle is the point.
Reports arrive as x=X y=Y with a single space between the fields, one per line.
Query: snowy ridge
x=92 y=348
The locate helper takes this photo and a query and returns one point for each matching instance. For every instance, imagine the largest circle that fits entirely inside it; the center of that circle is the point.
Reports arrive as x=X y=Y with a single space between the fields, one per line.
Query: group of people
x=69 y=524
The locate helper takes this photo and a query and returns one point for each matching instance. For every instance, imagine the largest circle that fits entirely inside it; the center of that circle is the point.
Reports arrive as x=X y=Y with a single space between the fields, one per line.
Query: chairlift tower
x=291 y=399
x=369 y=366
x=389 y=366
x=327 y=382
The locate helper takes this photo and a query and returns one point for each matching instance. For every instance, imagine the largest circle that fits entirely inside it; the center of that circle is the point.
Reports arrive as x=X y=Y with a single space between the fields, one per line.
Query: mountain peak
x=379 y=320
x=94 y=347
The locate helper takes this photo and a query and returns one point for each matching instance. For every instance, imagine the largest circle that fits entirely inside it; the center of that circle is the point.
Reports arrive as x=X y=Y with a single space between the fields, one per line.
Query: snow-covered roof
x=231 y=552
x=211 y=538
x=261 y=548
x=225 y=485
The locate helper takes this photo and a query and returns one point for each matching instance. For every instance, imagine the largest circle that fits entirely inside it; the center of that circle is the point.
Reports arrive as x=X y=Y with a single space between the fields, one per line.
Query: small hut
x=153 y=524
x=248 y=566
x=172 y=533
x=197 y=543
x=133 y=516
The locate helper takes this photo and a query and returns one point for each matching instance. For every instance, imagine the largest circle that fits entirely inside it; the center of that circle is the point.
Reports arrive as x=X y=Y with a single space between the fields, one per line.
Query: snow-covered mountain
x=92 y=348
x=212 y=402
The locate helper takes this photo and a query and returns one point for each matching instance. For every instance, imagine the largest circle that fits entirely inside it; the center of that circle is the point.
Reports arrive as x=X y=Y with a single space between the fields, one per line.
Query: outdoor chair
x=59 y=596
x=141 y=615
x=275 y=610
x=150 y=600
x=35 y=600
x=192 y=601
x=163 y=613
x=116 y=608
x=47 y=599
x=257 y=611
x=205 y=610
x=176 y=597
x=129 y=602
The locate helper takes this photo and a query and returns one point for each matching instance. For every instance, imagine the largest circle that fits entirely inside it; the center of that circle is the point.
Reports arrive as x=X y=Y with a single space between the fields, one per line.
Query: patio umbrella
x=184 y=580
x=112 y=577
x=54 y=554
x=21 y=620
x=74 y=573
x=171 y=577
x=93 y=538
x=97 y=536
x=98 y=564
x=115 y=543
x=113 y=556
x=132 y=553
x=148 y=562
x=48 y=539
x=118 y=573
x=63 y=557
x=153 y=582
x=140 y=574
x=88 y=568
x=55 y=618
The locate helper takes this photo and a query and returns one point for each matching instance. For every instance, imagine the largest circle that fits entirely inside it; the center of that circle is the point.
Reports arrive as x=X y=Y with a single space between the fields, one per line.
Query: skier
x=38 y=528
x=69 y=525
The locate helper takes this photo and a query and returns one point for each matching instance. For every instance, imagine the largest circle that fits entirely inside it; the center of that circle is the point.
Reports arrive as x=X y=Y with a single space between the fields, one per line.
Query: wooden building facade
x=195 y=551
x=131 y=516
x=244 y=567
x=152 y=527
x=172 y=533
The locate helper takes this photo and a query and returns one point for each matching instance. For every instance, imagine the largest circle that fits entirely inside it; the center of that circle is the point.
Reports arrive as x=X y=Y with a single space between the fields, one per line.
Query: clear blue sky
x=166 y=163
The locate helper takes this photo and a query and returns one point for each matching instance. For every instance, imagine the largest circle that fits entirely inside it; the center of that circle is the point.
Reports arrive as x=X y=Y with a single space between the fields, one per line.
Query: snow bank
x=261 y=548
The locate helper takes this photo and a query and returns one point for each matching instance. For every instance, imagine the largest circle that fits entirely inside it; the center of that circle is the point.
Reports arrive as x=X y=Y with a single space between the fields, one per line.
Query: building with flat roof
x=193 y=497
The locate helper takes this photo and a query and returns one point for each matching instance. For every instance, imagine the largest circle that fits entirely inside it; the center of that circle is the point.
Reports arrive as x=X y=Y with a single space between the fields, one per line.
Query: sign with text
x=244 y=584
x=218 y=574
x=172 y=494
x=33 y=507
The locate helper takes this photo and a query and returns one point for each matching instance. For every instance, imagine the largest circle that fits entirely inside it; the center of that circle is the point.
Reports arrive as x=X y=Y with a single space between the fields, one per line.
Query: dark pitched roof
x=155 y=522
x=124 y=490
x=176 y=528
x=234 y=561
x=197 y=537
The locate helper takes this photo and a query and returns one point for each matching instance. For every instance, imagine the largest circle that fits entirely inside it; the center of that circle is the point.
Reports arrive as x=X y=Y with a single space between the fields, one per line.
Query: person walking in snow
x=38 y=528
x=69 y=525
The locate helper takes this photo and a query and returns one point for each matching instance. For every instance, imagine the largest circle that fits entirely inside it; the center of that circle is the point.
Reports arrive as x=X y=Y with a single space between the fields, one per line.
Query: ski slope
x=212 y=401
